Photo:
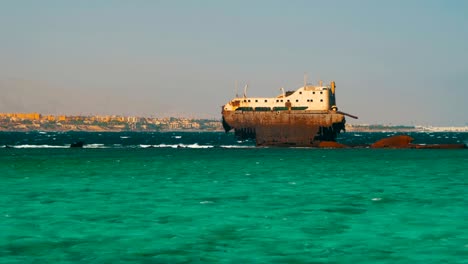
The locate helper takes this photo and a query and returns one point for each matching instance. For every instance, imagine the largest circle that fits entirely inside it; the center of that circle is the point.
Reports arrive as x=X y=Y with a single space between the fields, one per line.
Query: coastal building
x=21 y=116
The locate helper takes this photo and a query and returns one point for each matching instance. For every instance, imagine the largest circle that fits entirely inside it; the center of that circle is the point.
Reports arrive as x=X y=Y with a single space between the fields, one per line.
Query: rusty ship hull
x=303 y=118
x=285 y=128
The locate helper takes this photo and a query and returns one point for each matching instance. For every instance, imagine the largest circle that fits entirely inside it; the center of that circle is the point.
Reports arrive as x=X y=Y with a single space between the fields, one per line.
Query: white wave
x=235 y=146
x=39 y=146
x=124 y=137
x=94 y=146
x=191 y=146
x=177 y=137
x=198 y=146
x=165 y=146
x=42 y=132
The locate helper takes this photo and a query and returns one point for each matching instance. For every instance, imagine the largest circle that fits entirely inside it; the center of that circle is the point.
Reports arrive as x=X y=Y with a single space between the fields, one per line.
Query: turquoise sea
x=207 y=198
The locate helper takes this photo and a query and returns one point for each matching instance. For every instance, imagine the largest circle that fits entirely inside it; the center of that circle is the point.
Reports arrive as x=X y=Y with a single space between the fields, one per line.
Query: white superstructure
x=308 y=97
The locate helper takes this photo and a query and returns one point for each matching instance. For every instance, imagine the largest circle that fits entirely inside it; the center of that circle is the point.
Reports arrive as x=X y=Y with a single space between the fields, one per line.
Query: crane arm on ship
x=346 y=114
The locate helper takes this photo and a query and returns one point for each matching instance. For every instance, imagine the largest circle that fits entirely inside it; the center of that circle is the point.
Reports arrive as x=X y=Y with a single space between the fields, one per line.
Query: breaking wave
x=35 y=146
x=235 y=146
x=96 y=146
x=193 y=146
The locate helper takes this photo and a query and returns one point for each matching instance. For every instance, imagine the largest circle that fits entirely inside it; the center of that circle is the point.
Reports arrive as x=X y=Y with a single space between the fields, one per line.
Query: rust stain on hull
x=285 y=128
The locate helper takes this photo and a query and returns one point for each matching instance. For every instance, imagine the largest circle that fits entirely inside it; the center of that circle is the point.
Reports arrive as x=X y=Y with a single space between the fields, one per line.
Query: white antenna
x=237 y=90
x=245 y=90
x=305 y=79
x=282 y=91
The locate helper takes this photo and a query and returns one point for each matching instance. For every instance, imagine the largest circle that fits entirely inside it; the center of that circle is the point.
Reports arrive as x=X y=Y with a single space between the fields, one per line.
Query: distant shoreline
x=113 y=131
x=2 y=130
x=27 y=122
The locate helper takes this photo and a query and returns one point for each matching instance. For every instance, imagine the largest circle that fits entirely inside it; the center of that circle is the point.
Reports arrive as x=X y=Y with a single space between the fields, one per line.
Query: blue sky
x=394 y=62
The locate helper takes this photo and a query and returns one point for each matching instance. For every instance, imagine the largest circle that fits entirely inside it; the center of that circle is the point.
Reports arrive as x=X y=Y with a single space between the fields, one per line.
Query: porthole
x=297 y=100
x=313 y=92
x=245 y=101
x=281 y=100
x=277 y=101
x=266 y=101
x=256 y=101
x=300 y=92
x=321 y=92
x=249 y=101
x=321 y=100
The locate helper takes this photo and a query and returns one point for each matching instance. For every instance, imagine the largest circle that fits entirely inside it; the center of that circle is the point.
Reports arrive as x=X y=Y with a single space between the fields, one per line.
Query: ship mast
x=305 y=79
x=237 y=89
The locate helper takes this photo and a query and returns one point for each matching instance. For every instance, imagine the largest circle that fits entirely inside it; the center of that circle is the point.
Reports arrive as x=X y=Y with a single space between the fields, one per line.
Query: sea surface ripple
x=236 y=204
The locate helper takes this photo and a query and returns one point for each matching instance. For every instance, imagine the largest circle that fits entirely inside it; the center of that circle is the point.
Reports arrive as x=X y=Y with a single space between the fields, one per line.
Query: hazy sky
x=394 y=62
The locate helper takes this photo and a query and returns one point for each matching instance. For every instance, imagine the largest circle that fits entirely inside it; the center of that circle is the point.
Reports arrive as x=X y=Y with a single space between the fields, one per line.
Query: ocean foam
x=39 y=146
x=198 y=146
x=94 y=146
x=57 y=146
x=235 y=146
x=191 y=146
